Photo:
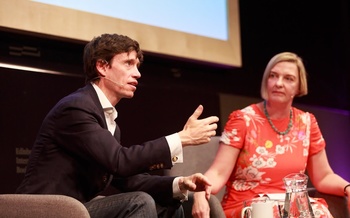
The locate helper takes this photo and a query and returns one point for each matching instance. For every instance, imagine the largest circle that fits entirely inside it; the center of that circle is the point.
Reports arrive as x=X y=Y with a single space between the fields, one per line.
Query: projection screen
x=50 y=18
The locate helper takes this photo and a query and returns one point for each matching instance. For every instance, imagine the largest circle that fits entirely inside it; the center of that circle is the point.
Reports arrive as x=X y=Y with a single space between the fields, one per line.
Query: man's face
x=121 y=75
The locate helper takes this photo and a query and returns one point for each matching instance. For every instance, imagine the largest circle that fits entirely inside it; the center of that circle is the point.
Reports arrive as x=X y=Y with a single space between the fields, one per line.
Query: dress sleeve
x=317 y=143
x=235 y=130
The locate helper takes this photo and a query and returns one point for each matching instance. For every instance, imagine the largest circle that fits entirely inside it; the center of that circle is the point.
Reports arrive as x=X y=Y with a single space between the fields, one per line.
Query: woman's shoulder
x=305 y=116
x=251 y=109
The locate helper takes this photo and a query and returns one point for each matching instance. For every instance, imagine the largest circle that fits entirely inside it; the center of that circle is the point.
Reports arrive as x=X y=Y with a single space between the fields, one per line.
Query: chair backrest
x=197 y=159
x=40 y=206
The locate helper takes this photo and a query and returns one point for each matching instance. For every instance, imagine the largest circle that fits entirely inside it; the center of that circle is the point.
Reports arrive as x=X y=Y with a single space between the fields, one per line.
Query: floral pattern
x=266 y=157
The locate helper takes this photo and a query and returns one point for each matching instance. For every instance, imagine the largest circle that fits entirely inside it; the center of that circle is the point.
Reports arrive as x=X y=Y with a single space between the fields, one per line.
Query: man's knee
x=145 y=198
x=141 y=205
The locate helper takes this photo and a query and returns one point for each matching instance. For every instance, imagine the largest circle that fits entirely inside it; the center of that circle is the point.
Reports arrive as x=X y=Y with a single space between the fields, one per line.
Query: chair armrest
x=337 y=205
x=40 y=206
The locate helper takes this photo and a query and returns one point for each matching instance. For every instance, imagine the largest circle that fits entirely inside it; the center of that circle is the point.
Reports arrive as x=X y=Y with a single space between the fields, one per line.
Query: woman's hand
x=200 y=207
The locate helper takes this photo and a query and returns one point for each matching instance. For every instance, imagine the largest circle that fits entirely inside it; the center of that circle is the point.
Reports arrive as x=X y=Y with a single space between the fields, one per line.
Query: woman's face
x=283 y=82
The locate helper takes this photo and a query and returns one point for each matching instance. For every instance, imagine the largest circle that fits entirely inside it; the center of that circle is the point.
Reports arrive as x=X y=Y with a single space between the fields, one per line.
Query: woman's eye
x=289 y=78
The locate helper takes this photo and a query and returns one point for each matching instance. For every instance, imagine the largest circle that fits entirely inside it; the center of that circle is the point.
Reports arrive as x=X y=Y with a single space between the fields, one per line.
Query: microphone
x=114 y=82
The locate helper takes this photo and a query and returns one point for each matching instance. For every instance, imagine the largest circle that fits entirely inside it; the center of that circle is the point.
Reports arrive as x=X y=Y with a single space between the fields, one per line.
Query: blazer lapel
x=117 y=133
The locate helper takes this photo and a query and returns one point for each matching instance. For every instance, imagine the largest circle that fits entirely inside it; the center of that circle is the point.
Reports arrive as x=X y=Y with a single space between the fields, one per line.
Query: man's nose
x=137 y=73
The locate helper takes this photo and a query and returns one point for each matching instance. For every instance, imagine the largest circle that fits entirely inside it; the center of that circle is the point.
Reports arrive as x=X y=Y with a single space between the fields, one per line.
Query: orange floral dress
x=266 y=157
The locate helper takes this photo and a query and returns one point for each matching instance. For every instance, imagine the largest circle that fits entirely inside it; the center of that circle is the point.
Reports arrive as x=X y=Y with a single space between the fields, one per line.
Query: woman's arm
x=222 y=166
x=323 y=177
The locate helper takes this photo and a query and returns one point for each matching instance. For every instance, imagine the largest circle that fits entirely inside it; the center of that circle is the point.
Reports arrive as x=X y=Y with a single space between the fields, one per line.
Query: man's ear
x=101 y=67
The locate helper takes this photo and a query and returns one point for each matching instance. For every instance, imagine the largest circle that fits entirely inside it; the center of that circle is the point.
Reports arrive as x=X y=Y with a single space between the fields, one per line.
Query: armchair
x=197 y=159
x=40 y=206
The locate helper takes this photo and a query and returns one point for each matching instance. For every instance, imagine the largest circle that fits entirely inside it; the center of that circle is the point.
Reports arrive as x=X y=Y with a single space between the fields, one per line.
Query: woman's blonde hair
x=289 y=57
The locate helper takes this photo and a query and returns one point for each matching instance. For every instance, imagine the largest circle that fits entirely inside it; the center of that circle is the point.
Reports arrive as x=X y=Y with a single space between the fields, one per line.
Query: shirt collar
x=106 y=104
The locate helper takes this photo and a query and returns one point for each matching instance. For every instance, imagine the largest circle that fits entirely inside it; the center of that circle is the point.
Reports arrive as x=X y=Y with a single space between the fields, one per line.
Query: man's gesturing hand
x=196 y=182
x=198 y=131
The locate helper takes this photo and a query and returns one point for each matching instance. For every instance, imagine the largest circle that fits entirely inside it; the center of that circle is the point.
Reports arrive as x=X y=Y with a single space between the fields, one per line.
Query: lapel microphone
x=114 y=82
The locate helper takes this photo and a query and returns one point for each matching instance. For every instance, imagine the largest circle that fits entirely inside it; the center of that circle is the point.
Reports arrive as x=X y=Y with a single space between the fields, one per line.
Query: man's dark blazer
x=74 y=154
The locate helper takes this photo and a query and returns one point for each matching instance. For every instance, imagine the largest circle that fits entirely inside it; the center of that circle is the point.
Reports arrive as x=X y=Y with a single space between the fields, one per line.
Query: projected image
x=206 y=31
x=200 y=17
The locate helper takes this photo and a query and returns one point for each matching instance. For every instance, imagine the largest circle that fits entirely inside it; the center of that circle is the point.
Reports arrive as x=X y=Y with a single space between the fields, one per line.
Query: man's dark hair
x=105 y=47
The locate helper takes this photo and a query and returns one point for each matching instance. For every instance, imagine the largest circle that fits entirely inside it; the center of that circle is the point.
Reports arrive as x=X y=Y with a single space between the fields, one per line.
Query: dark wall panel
x=27 y=97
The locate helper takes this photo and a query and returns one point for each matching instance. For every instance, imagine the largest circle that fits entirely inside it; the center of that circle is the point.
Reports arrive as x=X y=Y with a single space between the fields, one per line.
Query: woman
x=264 y=142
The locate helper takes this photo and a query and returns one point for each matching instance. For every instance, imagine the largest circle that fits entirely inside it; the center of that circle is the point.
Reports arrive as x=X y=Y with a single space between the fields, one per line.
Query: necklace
x=273 y=126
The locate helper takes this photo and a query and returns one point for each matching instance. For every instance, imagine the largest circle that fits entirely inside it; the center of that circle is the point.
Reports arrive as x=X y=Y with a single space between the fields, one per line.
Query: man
x=78 y=152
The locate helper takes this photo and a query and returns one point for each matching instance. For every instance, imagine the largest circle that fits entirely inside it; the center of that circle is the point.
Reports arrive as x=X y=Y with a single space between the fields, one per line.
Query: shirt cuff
x=177 y=193
x=175 y=147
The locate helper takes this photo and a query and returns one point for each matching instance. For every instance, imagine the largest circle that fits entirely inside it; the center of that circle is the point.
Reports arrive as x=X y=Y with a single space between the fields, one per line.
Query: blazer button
x=104 y=178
